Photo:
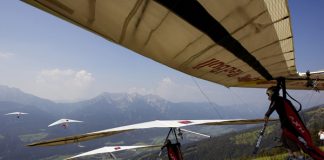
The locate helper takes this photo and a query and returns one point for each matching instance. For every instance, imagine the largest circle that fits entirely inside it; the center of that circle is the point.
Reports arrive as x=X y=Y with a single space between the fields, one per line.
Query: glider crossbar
x=204 y=135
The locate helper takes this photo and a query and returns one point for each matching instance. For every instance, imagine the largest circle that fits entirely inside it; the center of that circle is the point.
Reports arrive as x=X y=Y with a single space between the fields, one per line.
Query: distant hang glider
x=229 y=42
x=172 y=124
x=64 y=122
x=315 y=73
x=17 y=114
x=110 y=149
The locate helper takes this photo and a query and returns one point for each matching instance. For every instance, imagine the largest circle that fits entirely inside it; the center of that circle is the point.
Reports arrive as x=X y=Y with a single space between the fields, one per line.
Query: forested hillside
x=239 y=145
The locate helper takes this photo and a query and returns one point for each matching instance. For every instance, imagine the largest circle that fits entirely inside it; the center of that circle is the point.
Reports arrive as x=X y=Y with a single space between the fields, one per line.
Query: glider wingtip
x=36 y=144
x=31 y=145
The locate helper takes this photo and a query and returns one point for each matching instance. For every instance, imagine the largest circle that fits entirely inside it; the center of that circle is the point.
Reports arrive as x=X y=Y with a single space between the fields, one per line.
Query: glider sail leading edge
x=16 y=113
x=63 y=121
x=229 y=42
x=145 y=125
x=111 y=149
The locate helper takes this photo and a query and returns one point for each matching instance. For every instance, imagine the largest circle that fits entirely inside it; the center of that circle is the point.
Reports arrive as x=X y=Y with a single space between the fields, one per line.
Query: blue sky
x=50 y=58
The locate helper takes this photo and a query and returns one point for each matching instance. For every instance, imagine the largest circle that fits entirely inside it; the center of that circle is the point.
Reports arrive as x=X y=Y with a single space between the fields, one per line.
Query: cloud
x=5 y=55
x=177 y=92
x=142 y=91
x=170 y=90
x=68 y=84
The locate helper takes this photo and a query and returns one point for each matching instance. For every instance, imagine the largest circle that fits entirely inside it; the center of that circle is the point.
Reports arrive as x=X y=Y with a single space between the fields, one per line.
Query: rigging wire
x=309 y=100
x=317 y=101
x=309 y=95
x=209 y=101
x=242 y=100
x=282 y=86
x=300 y=105
x=300 y=108
x=313 y=84
x=306 y=95
x=239 y=97
x=234 y=100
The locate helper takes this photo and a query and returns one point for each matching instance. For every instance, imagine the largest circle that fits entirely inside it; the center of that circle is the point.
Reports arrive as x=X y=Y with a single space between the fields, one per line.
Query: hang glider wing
x=229 y=42
x=111 y=149
x=16 y=113
x=145 y=125
x=63 y=121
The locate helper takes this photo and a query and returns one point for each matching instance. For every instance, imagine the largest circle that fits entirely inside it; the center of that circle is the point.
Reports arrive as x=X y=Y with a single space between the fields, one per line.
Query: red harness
x=174 y=152
x=301 y=135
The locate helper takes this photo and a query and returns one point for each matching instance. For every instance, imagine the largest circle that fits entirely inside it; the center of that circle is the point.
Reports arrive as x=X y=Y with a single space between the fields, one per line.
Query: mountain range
x=104 y=111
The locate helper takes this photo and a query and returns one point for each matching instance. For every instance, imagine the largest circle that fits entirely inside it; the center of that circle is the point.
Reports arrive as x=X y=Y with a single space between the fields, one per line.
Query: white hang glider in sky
x=64 y=122
x=109 y=150
x=172 y=124
x=17 y=114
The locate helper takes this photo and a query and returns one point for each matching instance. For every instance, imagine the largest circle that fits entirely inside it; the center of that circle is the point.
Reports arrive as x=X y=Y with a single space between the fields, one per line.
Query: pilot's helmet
x=273 y=90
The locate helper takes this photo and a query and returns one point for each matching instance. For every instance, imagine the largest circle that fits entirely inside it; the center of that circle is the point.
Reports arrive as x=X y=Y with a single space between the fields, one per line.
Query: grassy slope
x=239 y=145
x=314 y=121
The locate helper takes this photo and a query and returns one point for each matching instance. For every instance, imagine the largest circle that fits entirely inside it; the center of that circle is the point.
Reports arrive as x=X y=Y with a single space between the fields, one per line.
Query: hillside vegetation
x=239 y=145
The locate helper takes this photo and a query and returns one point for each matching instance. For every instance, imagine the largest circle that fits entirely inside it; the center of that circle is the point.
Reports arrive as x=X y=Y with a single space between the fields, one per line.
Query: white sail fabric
x=150 y=28
x=16 y=113
x=111 y=149
x=63 y=121
x=145 y=125
x=233 y=43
